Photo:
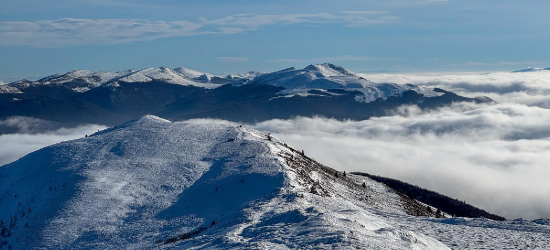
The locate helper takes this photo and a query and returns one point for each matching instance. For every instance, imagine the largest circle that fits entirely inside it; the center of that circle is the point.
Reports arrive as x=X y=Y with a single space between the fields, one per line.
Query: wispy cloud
x=233 y=59
x=72 y=31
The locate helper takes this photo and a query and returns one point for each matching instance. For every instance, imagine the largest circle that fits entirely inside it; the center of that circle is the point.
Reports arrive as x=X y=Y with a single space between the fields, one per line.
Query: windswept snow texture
x=329 y=76
x=151 y=183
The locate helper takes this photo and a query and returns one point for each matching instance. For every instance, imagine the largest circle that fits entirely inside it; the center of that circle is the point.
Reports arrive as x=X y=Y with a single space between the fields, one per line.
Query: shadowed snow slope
x=151 y=183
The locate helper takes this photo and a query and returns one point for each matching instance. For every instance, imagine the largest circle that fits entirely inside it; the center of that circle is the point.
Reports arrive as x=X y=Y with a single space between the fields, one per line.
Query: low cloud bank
x=529 y=88
x=34 y=137
x=494 y=157
x=27 y=125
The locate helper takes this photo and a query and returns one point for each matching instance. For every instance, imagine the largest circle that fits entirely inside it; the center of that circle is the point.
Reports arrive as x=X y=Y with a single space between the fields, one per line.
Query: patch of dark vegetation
x=302 y=165
x=185 y=236
x=442 y=202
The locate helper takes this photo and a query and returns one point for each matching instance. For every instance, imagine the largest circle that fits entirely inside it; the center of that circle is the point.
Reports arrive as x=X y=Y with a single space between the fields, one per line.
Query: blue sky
x=39 y=38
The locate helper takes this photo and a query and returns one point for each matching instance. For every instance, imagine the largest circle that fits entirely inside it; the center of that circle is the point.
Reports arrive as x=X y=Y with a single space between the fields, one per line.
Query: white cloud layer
x=529 y=88
x=494 y=157
x=72 y=31
x=14 y=146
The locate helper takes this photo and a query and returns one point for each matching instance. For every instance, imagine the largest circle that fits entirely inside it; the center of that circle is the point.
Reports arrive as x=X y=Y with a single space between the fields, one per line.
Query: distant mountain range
x=110 y=98
x=530 y=69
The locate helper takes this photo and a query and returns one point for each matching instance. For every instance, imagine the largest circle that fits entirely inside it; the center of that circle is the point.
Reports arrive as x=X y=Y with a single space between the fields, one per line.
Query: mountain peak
x=177 y=76
x=328 y=69
x=529 y=69
x=146 y=119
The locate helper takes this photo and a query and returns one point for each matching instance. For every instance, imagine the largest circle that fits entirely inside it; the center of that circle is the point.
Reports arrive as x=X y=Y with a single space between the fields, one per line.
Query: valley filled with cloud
x=492 y=156
x=30 y=134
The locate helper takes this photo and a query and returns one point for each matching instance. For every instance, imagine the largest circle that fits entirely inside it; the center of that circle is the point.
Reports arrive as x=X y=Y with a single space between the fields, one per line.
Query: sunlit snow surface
x=141 y=184
x=329 y=76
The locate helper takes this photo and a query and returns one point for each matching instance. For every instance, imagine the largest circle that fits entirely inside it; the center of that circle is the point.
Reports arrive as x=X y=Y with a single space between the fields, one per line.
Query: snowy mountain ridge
x=295 y=81
x=84 y=80
x=152 y=183
x=531 y=69
x=162 y=74
x=329 y=76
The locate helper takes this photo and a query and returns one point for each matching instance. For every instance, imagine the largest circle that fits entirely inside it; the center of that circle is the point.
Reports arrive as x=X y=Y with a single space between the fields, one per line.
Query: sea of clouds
x=491 y=156
x=22 y=135
x=529 y=88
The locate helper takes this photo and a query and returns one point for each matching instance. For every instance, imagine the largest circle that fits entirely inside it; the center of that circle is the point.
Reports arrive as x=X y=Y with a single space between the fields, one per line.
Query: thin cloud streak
x=74 y=31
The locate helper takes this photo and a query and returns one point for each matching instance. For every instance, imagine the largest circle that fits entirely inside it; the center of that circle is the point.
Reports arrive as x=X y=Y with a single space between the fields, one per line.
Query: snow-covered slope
x=328 y=76
x=295 y=81
x=76 y=80
x=151 y=183
x=191 y=74
x=94 y=78
x=161 y=74
x=244 y=76
x=195 y=75
x=154 y=183
x=84 y=80
x=5 y=89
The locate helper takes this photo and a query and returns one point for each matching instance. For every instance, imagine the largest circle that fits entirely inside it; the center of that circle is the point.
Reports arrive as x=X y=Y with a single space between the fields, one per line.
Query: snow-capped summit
x=328 y=69
x=295 y=81
x=76 y=80
x=247 y=76
x=93 y=78
x=329 y=76
x=84 y=80
x=192 y=74
x=161 y=74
